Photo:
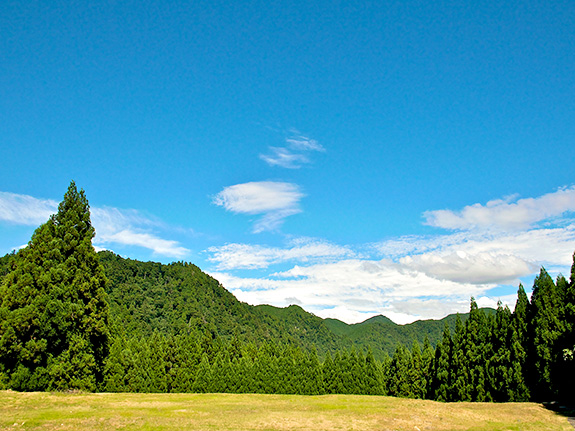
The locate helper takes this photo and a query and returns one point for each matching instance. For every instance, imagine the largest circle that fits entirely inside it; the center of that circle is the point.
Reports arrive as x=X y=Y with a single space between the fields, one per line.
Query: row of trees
x=495 y=356
x=56 y=333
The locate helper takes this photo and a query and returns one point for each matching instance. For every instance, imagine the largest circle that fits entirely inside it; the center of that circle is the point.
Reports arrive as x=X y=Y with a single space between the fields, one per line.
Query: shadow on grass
x=562 y=409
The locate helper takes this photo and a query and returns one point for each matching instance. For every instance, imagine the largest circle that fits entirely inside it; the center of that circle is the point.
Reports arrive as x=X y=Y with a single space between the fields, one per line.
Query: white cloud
x=158 y=245
x=25 y=210
x=131 y=228
x=113 y=225
x=275 y=200
x=478 y=268
x=284 y=158
x=294 y=154
x=479 y=257
x=420 y=277
x=303 y=143
x=246 y=256
x=505 y=214
x=352 y=290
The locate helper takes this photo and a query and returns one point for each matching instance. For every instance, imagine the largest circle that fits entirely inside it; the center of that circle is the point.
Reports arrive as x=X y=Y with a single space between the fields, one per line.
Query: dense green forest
x=71 y=318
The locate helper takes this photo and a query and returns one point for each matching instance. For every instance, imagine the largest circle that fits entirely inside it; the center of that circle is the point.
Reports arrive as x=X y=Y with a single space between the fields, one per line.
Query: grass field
x=80 y=411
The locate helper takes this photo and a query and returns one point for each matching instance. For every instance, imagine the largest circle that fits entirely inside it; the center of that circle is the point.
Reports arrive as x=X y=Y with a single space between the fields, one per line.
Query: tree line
x=57 y=333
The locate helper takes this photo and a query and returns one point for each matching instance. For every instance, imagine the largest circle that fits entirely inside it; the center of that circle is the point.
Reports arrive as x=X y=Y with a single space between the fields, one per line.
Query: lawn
x=83 y=411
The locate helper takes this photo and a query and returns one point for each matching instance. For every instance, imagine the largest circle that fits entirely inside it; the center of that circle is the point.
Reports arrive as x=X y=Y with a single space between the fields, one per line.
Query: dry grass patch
x=61 y=411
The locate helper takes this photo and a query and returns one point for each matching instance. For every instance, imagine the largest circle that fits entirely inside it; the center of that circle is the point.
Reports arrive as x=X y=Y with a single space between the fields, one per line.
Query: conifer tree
x=546 y=328
x=54 y=312
x=415 y=373
x=521 y=315
x=329 y=374
x=564 y=374
x=441 y=385
x=373 y=376
x=427 y=366
x=500 y=366
x=460 y=385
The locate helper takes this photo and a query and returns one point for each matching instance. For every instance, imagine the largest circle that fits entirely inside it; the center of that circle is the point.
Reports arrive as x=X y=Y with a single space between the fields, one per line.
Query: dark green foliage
x=546 y=327
x=53 y=311
x=382 y=335
x=176 y=329
x=441 y=383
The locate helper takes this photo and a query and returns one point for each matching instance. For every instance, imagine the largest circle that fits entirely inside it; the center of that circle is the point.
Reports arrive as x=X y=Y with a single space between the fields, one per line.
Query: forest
x=74 y=319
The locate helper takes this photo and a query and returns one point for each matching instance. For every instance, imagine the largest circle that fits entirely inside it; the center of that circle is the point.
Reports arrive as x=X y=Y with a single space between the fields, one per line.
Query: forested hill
x=147 y=296
x=74 y=319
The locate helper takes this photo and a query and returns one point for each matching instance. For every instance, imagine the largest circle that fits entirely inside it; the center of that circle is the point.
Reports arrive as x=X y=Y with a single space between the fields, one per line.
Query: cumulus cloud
x=273 y=200
x=247 y=256
x=113 y=225
x=478 y=268
x=294 y=154
x=411 y=277
x=504 y=213
x=353 y=290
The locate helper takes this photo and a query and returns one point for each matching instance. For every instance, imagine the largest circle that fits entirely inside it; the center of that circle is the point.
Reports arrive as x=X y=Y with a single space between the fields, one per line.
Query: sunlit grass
x=80 y=411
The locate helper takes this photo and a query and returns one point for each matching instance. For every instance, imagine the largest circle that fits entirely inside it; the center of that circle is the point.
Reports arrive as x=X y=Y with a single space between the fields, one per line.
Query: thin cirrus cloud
x=247 y=256
x=294 y=154
x=505 y=214
x=25 y=210
x=113 y=225
x=274 y=201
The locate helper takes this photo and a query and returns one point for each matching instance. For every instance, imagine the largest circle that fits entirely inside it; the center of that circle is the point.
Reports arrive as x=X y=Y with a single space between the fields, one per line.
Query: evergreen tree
x=329 y=374
x=399 y=384
x=373 y=377
x=546 y=328
x=202 y=383
x=415 y=373
x=460 y=385
x=54 y=311
x=478 y=349
x=564 y=373
x=441 y=384
x=427 y=366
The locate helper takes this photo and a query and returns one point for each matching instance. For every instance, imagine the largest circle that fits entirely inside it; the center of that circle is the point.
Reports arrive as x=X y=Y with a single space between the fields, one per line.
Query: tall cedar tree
x=546 y=328
x=53 y=306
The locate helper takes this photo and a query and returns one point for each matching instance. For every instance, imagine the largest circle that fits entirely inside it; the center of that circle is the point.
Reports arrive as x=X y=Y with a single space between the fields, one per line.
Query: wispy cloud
x=25 y=210
x=113 y=225
x=294 y=154
x=302 y=250
x=273 y=200
x=412 y=277
x=131 y=228
x=505 y=214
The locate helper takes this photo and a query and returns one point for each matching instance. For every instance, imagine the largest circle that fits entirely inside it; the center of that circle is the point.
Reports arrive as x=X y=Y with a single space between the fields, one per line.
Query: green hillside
x=178 y=297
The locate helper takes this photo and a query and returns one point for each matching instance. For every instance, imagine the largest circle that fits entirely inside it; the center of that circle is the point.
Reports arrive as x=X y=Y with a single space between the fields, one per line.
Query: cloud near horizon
x=413 y=277
x=353 y=290
x=113 y=225
x=273 y=200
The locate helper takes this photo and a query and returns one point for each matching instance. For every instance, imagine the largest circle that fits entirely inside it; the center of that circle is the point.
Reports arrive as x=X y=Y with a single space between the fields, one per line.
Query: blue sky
x=355 y=158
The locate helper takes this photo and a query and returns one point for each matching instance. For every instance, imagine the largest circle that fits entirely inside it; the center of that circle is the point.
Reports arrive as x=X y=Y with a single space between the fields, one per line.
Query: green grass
x=81 y=411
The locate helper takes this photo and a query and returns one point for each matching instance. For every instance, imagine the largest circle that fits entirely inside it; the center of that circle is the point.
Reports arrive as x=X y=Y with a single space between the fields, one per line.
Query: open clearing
x=81 y=411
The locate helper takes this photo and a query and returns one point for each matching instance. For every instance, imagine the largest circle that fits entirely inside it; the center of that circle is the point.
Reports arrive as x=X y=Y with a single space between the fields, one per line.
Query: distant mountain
x=178 y=297
x=148 y=296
